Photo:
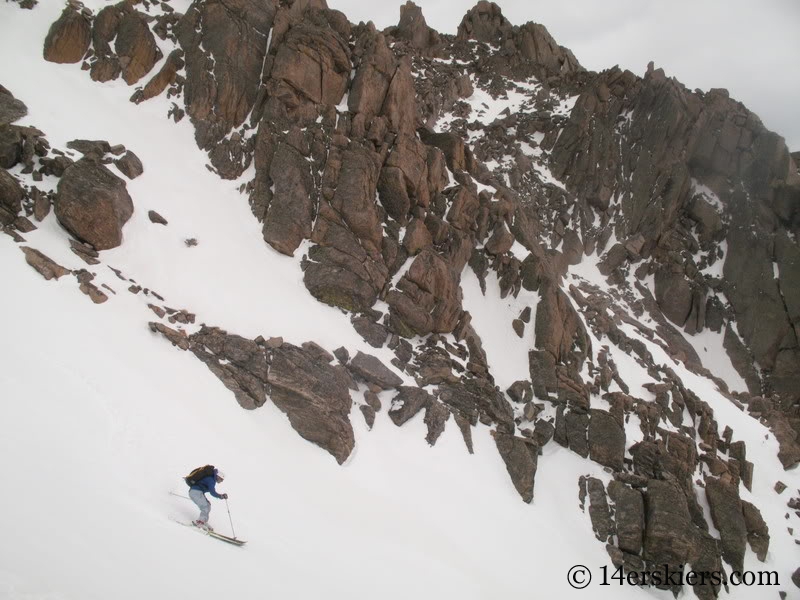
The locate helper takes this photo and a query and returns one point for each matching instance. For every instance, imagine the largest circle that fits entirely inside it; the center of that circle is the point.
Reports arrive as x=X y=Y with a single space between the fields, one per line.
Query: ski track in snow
x=100 y=418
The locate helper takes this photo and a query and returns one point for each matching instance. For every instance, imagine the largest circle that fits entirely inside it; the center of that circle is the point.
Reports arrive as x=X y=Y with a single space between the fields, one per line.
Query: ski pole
x=229 y=518
x=180 y=496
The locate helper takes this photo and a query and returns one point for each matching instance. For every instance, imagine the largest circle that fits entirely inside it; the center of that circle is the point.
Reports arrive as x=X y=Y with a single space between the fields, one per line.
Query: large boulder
x=93 y=204
x=315 y=395
x=69 y=37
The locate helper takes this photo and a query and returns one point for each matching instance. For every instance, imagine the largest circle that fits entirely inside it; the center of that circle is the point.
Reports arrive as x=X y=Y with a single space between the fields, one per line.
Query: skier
x=197 y=492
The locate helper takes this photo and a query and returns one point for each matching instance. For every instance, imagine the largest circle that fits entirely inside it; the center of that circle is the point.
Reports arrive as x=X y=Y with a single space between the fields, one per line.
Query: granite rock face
x=417 y=176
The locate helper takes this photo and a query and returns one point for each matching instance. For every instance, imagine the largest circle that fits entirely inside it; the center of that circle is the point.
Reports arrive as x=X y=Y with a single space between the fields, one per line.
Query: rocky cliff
x=395 y=160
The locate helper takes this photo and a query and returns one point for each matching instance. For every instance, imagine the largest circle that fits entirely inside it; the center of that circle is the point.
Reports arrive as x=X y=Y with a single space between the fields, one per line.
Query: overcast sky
x=750 y=47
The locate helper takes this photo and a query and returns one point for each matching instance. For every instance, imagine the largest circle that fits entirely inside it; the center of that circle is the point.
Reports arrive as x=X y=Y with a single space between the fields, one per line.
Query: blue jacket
x=207 y=485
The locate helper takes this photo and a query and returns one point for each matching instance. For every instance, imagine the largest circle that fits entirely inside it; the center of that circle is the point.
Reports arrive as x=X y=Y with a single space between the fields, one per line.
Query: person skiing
x=197 y=493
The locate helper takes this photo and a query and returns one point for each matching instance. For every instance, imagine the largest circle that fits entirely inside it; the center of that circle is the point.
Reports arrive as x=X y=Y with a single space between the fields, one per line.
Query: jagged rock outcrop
x=531 y=42
x=93 y=204
x=378 y=155
x=224 y=45
x=44 y=265
x=521 y=457
x=413 y=28
x=315 y=395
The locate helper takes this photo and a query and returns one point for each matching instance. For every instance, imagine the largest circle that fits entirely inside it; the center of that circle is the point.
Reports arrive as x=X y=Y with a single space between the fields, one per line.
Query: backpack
x=198 y=474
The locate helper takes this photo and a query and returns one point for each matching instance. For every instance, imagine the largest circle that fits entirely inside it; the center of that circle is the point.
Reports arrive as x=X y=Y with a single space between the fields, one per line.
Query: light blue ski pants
x=203 y=504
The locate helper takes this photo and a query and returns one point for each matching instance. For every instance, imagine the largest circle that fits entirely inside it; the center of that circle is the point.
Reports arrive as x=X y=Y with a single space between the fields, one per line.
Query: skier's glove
x=224 y=496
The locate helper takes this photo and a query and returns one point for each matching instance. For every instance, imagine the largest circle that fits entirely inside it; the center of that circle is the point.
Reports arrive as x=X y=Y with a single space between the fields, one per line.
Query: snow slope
x=99 y=418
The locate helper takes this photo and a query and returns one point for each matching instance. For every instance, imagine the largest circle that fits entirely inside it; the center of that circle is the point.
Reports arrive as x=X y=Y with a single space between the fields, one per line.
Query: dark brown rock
x=436 y=416
x=576 y=427
x=520 y=391
x=674 y=295
x=41 y=204
x=130 y=165
x=474 y=397
x=291 y=212
x=413 y=28
x=399 y=106
x=372 y=370
x=69 y=37
x=726 y=511
x=373 y=333
x=372 y=399
x=315 y=61
x=670 y=538
x=606 y=440
x=629 y=516
x=429 y=297
x=11 y=109
x=44 y=265
x=369 y=414
x=485 y=23
x=757 y=530
x=11 y=146
x=559 y=328
x=156 y=218
x=93 y=204
x=501 y=240
x=407 y=403
x=135 y=46
x=521 y=458
x=316 y=397
x=599 y=512
x=11 y=196
x=543 y=373
x=417 y=237
x=372 y=78
x=86 y=286
x=225 y=45
x=165 y=77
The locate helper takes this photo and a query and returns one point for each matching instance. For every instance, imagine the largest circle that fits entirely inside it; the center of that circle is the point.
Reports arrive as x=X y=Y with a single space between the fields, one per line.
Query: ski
x=214 y=534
